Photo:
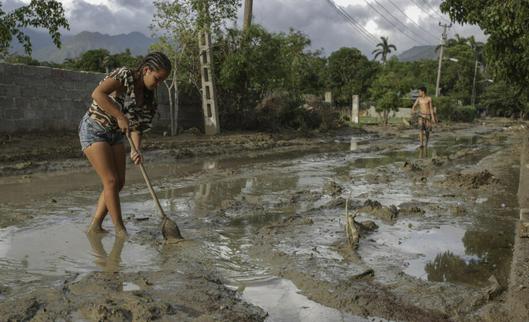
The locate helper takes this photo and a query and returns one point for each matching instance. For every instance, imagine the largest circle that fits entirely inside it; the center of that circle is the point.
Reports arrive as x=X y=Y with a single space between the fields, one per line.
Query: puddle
x=55 y=248
x=435 y=248
x=284 y=303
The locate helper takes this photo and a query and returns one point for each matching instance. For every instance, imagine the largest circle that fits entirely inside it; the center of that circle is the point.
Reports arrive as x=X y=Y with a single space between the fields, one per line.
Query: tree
x=93 y=60
x=48 y=14
x=349 y=72
x=384 y=50
x=386 y=92
x=507 y=48
x=177 y=24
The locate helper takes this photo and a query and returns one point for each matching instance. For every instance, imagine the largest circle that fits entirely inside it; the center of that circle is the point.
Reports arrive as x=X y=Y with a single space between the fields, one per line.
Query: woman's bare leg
x=101 y=156
x=101 y=209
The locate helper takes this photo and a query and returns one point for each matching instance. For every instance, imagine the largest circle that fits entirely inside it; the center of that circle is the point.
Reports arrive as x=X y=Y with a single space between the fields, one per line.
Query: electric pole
x=209 y=95
x=248 y=4
x=443 y=42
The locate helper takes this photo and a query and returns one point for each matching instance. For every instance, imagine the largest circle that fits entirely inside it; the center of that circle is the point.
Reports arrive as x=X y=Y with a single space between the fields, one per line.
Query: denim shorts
x=90 y=131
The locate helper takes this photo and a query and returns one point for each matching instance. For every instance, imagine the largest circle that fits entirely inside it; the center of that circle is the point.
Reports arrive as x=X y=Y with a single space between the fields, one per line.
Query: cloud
x=405 y=23
x=9 y=5
x=135 y=15
x=316 y=18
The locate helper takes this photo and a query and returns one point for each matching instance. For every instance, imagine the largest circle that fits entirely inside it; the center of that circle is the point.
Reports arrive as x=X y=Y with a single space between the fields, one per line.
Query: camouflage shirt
x=140 y=117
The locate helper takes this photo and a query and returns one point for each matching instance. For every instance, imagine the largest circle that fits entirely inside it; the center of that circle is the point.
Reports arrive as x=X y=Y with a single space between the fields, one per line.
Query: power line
x=375 y=38
x=390 y=22
x=416 y=24
x=356 y=25
x=418 y=5
x=401 y=23
x=434 y=10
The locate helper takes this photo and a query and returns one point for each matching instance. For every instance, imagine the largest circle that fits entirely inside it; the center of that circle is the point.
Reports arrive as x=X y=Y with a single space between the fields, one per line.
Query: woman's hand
x=136 y=157
x=123 y=123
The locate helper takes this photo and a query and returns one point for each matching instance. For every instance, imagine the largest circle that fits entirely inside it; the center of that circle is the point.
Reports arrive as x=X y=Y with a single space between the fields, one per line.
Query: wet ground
x=266 y=237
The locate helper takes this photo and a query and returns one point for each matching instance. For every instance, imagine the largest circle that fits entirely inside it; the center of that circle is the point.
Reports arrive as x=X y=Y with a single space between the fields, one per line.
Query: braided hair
x=155 y=61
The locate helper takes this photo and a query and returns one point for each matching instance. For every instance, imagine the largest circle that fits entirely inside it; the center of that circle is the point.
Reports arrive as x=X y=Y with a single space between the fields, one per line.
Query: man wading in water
x=426 y=115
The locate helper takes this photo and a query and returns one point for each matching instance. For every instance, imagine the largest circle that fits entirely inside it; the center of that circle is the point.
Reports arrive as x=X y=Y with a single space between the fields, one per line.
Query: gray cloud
x=136 y=15
x=9 y=5
x=316 y=18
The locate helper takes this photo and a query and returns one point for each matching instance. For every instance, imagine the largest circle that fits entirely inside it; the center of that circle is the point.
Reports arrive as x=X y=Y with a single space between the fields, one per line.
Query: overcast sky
x=407 y=22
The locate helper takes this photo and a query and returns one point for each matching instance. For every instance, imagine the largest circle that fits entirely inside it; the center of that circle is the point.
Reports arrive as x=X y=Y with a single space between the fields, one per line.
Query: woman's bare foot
x=121 y=232
x=96 y=228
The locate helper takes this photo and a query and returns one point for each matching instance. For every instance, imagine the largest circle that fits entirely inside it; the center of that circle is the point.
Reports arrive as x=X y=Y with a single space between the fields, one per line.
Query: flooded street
x=436 y=235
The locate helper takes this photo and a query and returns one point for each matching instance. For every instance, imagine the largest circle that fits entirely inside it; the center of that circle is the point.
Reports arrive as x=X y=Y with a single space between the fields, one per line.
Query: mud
x=265 y=223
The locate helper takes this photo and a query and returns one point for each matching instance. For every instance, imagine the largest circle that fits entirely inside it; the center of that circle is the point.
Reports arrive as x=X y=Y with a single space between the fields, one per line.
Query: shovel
x=170 y=230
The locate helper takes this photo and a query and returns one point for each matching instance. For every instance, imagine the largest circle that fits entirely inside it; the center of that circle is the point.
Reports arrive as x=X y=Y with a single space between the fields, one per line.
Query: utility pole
x=248 y=8
x=209 y=96
x=473 y=100
x=443 y=42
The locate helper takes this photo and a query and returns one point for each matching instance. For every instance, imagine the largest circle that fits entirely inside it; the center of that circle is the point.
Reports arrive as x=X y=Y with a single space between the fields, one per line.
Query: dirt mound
x=472 y=180
x=376 y=209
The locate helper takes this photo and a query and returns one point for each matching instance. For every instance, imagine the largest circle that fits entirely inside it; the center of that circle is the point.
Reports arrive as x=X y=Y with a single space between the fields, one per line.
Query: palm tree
x=384 y=50
x=457 y=40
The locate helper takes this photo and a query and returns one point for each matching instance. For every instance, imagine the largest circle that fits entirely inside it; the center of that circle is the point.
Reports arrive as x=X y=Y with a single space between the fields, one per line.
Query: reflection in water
x=423 y=152
x=447 y=267
x=108 y=262
x=354 y=144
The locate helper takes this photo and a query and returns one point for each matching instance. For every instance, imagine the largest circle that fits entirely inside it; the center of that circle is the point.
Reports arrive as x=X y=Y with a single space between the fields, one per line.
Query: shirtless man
x=426 y=115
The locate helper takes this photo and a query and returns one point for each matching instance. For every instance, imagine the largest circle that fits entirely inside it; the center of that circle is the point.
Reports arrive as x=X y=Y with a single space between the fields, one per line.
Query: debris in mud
x=472 y=180
x=376 y=178
x=305 y=196
x=288 y=222
x=412 y=166
x=410 y=208
x=383 y=212
x=332 y=188
x=351 y=229
x=494 y=289
x=336 y=203
x=192 y=131
x=458 y=210
x=368 y=273
x=439 y=161
x=23 y=165
x=524 y=230
x=367 y=225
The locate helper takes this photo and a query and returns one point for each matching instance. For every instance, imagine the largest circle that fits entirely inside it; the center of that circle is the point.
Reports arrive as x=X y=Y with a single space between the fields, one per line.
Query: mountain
x=419 y=53
x=74 y=45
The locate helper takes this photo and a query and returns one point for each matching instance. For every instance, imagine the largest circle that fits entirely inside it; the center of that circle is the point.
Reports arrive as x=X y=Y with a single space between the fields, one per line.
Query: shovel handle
x=147 y=181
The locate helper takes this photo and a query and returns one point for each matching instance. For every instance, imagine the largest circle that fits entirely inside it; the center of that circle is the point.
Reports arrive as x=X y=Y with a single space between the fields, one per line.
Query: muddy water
x=225 y=205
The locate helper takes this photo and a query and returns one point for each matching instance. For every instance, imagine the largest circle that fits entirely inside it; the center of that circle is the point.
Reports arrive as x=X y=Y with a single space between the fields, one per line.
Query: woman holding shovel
x=123 y=104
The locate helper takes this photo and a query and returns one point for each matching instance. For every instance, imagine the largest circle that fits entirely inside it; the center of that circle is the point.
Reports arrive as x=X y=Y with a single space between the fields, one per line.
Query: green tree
x=384 y=50
x=507 y=48
x=177 y=24
x=498 y=100
x=349 y=72
x=46 y=14
x=92 y=60
x=387 y=90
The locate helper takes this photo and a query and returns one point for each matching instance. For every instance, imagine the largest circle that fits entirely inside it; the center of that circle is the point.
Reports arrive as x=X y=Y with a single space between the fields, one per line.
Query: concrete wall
x=34 y=98
x=401 y=113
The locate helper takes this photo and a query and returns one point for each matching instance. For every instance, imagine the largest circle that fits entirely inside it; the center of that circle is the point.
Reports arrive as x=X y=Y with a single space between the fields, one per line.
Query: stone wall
x=34 y=98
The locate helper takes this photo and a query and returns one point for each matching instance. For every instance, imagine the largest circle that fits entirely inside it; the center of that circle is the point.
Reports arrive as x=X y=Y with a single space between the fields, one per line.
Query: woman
x=123 y=104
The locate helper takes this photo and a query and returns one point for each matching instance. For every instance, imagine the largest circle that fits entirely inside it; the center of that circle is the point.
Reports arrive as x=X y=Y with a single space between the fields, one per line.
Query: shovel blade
x=170 y=230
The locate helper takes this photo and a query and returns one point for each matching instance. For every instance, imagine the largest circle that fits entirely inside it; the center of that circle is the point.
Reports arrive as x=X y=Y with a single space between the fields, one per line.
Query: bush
x=448 y=110
x=465 y=113
x=284 y=111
